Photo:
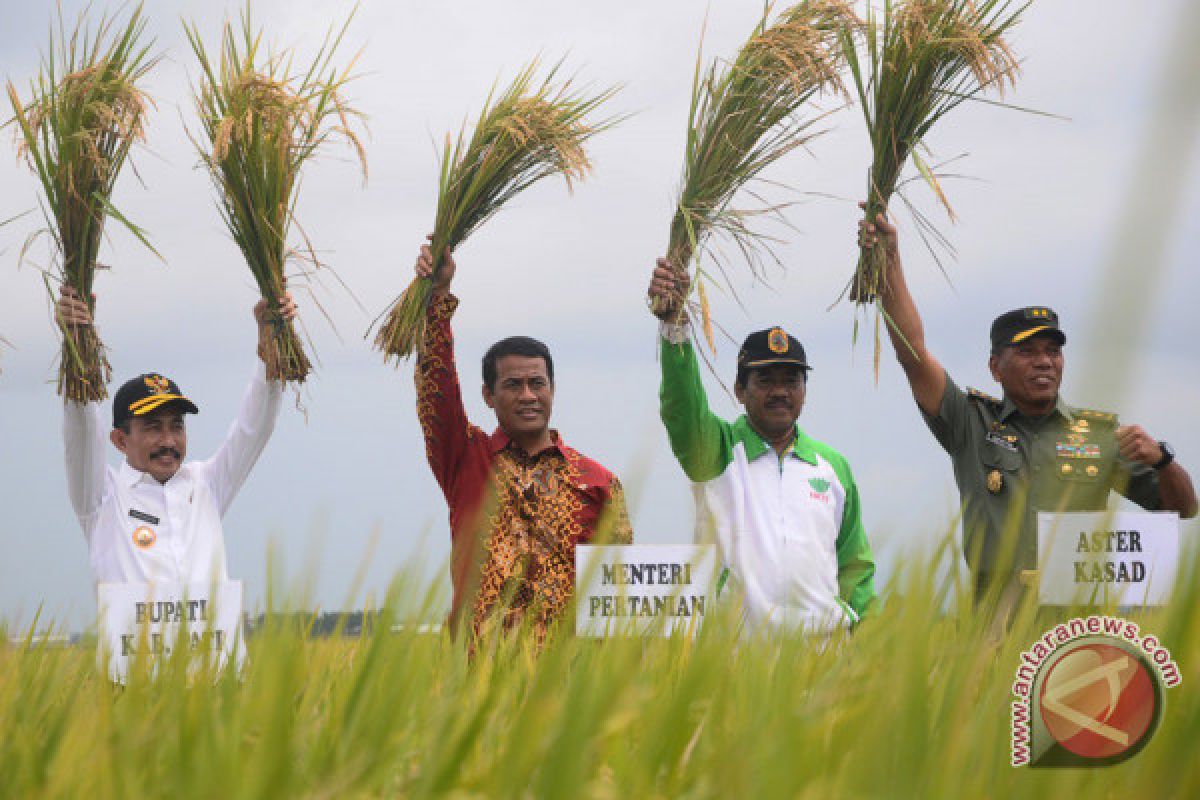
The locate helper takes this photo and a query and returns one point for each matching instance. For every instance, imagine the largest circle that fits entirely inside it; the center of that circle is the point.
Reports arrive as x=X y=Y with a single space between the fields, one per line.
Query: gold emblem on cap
x=144 y=537
x=157 y=384
x=777 y=340
x=995 y=481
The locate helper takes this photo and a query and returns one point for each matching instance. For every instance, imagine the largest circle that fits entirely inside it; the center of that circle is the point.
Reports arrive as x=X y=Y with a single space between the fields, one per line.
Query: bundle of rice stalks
x=262 y=119
x=743 y=118
x=918 y=60
x=85 y=112
x=531 y=130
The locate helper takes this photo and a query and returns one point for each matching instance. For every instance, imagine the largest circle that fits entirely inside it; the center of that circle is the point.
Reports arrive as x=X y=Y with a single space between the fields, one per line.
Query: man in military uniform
x=1027 y=451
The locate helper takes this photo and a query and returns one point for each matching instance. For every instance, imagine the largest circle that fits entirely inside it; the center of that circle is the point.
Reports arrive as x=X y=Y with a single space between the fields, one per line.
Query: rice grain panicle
x=533 y=129
x=263 y=116
x=86 y=110
x=744 y=117
x=911 y=64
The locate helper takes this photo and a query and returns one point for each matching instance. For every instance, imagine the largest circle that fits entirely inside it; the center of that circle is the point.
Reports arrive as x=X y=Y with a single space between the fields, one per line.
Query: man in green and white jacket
x=781 y=506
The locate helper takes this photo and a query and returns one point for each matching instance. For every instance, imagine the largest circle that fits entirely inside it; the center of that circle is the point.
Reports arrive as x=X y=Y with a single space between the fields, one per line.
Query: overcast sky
x=347 y=488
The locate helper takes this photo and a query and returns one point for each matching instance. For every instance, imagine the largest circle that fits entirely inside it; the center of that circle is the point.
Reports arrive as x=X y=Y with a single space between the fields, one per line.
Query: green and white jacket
x=788 y=529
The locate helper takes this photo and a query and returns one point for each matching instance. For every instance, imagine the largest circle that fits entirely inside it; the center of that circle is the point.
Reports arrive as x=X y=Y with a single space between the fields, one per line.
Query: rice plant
x=533 y=129
x=263 y=117
x=744 y=117
x=912 y=64
x=915 y=703
x=85 y=111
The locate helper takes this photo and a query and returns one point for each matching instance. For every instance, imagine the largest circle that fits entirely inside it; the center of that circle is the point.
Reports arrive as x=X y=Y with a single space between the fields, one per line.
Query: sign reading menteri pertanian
x=152 y=620
x=643 y=588
x=1097 y=558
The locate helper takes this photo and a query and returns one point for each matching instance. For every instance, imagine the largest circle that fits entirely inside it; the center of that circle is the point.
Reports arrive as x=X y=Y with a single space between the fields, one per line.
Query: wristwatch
x=1168 y=455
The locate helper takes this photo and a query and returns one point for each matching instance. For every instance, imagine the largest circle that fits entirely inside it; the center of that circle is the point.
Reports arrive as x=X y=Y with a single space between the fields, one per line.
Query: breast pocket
x=591 y=507
x=996 y=457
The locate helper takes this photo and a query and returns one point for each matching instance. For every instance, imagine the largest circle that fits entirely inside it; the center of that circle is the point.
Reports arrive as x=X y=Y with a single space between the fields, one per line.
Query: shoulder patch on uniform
x=975 y=394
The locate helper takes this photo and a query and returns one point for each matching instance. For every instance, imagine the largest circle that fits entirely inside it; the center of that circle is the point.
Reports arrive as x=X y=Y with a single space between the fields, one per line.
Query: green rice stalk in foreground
x=912 y=64
x=915 y=703
x=263 y=116
x=85 y=112
x=532 y=130
x=744 y=117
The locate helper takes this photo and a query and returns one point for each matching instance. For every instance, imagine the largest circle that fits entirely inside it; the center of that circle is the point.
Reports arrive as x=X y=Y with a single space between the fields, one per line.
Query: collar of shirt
x=500 y=440
x=132 y=477
x=588 y=473
x=1060 y=407
x=802 y=446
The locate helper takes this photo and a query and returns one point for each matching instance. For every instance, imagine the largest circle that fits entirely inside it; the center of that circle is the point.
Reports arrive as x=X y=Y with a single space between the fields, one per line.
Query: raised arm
x=230 y=465
x=701 y=441
x=83 y=426
x=440 y=407
x=925 y=375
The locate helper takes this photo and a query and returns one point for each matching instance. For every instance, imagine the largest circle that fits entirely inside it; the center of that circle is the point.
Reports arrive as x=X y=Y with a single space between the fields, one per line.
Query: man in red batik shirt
x=520 y=499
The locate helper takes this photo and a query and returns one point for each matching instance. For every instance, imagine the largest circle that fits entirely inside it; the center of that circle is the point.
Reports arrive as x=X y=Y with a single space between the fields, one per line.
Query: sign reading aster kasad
x=643 y=588
x=152 y=620
x=1123 y=558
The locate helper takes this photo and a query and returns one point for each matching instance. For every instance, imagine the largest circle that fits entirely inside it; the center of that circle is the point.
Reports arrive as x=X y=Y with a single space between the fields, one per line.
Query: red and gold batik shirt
x=515 y=518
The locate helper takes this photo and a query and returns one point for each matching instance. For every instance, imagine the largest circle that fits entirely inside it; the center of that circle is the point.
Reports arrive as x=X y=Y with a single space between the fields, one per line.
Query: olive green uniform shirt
x=1008 y=467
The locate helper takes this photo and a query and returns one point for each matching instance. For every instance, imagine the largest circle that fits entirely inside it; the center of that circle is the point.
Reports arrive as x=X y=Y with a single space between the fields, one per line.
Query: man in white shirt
x=157 y=518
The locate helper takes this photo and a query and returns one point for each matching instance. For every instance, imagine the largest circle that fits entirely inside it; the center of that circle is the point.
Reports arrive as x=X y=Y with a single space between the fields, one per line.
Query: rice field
x=914 y=704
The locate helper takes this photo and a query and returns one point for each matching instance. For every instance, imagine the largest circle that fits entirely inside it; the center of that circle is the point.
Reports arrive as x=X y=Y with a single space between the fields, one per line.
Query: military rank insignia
x=995 y=481
x=1077 y=444
x=1076 y=450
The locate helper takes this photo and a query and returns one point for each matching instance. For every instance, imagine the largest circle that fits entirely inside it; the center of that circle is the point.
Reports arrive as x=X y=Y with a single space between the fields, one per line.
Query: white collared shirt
x=141 y=531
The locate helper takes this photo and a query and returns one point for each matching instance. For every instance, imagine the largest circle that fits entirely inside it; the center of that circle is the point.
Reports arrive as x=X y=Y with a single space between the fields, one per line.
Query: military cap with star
x=1014 y=327
x=146 y=393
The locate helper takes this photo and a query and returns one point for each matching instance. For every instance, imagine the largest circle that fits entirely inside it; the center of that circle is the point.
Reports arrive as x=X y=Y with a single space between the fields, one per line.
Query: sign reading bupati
x=643 y=588
x=1123 y=558
x=153 y=620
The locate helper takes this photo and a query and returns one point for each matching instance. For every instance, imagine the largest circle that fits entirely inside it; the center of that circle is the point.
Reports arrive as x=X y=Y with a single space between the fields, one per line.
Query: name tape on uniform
x=1124 y=558
x=152 y=620
x=642 y=589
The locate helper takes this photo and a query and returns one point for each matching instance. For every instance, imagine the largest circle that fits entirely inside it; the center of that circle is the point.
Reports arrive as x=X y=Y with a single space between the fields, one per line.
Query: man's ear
x=488 y=397
x=739 y=391
x=119 y=438
x=994 y=366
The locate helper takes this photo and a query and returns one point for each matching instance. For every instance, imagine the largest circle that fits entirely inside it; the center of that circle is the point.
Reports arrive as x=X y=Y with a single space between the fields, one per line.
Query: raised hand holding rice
x=531 y=130
x=86 y=111
x=911 y=64
x=262 y=120
x=744 y=117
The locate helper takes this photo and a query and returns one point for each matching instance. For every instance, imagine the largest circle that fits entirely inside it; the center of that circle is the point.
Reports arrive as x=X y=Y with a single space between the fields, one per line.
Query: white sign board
x=643 y=588
x=152 y=620
x=1121 y=558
